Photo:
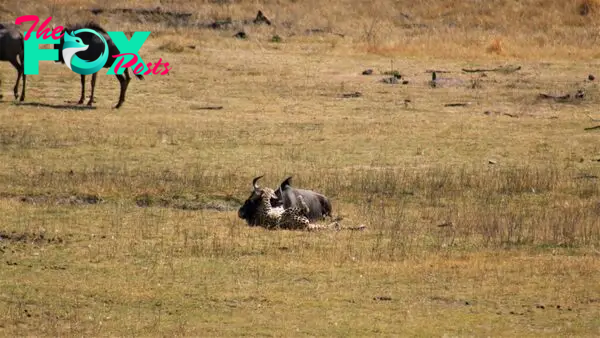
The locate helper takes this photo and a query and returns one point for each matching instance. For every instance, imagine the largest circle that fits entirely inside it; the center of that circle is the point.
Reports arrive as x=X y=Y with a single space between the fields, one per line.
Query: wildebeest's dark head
x=248 y=211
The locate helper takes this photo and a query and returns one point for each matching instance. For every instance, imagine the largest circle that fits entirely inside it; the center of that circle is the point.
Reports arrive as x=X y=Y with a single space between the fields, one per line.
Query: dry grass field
x=482 y=219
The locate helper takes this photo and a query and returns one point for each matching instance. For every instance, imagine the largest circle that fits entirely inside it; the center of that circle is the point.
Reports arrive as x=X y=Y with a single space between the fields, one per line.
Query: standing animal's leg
x=82 y=90
x=121 y=79
x=23 y=91
x=93 y=86
x=24 y=78
x=19 y=73
x=124 y=82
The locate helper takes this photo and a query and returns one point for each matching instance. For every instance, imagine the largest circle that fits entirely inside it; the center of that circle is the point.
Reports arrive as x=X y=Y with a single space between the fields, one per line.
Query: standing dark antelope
x=96 y=47
x=11 y=49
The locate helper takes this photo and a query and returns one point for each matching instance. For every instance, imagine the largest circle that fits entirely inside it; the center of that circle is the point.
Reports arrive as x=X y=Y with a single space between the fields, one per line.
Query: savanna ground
x=124 y=222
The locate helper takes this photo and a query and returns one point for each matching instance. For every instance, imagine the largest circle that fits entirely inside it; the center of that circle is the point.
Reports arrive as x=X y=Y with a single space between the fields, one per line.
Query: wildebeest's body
x=12 y=50
x=96 y=47
x=286 y=197
x=318 y=205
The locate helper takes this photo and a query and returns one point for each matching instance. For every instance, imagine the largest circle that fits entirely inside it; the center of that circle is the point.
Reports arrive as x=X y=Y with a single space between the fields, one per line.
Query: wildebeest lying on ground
x=258 y=210
x=12 y=50
x=319 y=205
x=96 y=47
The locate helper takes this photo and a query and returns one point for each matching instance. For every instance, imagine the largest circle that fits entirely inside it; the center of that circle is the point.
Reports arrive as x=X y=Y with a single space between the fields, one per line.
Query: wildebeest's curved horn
x=255 y=180
x=286 y=183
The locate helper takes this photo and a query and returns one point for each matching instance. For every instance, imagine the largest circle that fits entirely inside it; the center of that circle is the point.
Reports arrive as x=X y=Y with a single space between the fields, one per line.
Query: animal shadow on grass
x=56 y=106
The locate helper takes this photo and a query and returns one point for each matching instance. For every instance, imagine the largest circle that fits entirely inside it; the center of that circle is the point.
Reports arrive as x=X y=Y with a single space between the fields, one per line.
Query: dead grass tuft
x=496 y=47
x=172 y=47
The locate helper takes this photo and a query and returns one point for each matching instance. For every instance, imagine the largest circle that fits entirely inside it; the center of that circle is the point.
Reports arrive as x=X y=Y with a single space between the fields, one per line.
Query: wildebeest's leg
x=93 y=86
x=19 y=72
x=124 y=82
x=23 y=91
x=24 y=77
x=82 y=90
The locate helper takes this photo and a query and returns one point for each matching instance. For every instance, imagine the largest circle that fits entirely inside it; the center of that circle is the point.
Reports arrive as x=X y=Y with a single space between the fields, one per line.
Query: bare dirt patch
x=37 y=238
x=149 y=15
x=78 y=199
x=189 y=203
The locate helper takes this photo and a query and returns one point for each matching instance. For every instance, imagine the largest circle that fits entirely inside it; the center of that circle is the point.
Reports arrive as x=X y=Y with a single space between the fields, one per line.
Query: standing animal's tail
x=139 y=76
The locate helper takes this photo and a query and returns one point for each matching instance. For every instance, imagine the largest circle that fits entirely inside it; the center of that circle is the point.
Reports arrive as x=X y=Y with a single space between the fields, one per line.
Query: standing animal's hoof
x=118 y=105
x=80 y=101
x=22 y=98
